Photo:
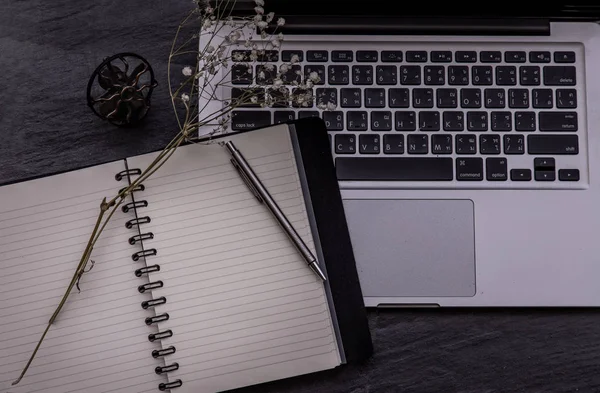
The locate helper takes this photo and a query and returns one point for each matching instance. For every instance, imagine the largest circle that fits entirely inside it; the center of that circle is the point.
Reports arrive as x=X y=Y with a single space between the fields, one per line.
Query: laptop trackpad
x=413 y=247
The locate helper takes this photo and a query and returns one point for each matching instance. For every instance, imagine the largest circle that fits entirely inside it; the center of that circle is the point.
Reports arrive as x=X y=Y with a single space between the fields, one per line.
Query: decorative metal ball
x=120 y=88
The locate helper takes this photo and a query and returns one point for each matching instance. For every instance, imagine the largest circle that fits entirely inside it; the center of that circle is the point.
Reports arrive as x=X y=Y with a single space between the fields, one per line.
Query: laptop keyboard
x=508 y=118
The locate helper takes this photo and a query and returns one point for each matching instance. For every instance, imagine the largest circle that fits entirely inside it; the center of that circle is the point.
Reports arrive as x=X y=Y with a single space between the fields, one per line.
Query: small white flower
x=275 y=43
x=277 y=83
x=280 y=36
x=295 y=59
x=284 y=68
x=254 y=99
x=209 y=10
x=263 y=35
x=257 y=18
x=253 y=55
x=262 y=24
x=206 y=24
x=185 y=97
x=249 y=70
x=248 y=44
x=187 y=71
x=269 y=67
x=314 y=77
x=210 y=49
x=260 y=3
x=322 y=106
x=309 y=84
x=331 y=106
x=254 y=47
x=261 y=75
x=270 y=16
x=259 y=10
x=280 y=21
x=238 y=56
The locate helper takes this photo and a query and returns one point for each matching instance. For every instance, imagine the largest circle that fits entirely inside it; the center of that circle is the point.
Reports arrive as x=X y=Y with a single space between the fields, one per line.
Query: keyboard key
x=496 y=169
x=514 y=56
x=441 y=144
x=434 y=75
x=489 y=144
x=325 y=96
x=454 y=121
x=490 y=56
x=568 y=174
x=278 y=98
x=539 y=57
x=286 y=55
x=338 y=74
x=422 y=98
x=529 y=75
x=267 y=56
x=283 y=116
x=342 y=56
x=350 y=98
x=447 y=98
x=469 y=169
x=265 y=74
x=542 y=98
x=410 y=75
x=245 y=97
x=240 y=55
x=429 y=121
x=398 y=98
x=558 y=121
x=482 y=75
x=345 y=144
x=393 y=144
x=495 y=98
x=501 y=121
x=552 y=144
x=518 y=98
x=465 y=56
x=466 y=144
x=391 y=56
x=317 y=56
x=334 y=120
x=386 y=75
x=566 y=98
x=559 y=76
x=470 y=98
x=564 y=57
x=544 y=169
x=514 y=144
x=357 y=120
x=241 y=74
x=248 y=120
x=362 y=75
x=417 y=143
x=419 y=56
x=477 y=121
x=305 y=114
x=545 y=175
x=381 y=121
x=374 y=98
x=405 y=121
x=312 y=71
x=369 y=144
x=506 y=75
x=367 y=56
x=441 y=56
x=302 y=98
x=525 y=121
x=292 y=74
x=458 y=75
x=394 y=168
x=520 y=174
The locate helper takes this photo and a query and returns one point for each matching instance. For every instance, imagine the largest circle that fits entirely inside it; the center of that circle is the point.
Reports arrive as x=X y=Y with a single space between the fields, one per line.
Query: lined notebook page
x=243 y=305
x=99 y=341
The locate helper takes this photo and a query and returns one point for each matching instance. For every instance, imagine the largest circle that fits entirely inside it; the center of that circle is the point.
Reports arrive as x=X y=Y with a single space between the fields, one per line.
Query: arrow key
x=568 y=174
x=520 y=174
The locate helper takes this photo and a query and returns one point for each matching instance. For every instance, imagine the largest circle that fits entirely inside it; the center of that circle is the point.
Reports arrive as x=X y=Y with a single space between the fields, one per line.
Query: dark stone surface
x=48 y=49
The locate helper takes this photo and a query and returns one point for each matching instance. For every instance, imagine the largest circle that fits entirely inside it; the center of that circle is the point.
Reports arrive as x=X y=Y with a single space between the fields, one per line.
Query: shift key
x=558 y=121
x=552 y=144
x=248 y=120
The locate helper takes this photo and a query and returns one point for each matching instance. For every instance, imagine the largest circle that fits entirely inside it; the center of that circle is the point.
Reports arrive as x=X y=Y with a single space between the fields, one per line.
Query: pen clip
x=246 y=180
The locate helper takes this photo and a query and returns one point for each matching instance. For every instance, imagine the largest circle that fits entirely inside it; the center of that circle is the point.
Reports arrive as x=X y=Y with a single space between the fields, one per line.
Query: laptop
x=466 y=144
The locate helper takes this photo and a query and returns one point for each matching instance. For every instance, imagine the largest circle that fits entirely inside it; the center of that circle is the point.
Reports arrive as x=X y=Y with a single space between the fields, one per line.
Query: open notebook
x=194 y=289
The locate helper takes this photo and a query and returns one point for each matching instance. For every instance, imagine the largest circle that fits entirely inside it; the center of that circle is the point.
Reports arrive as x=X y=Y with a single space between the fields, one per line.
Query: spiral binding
x=138 y=222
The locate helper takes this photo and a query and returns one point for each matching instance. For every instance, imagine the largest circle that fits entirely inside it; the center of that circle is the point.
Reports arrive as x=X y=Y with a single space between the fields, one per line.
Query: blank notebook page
x=99 y=341
x=244 y=307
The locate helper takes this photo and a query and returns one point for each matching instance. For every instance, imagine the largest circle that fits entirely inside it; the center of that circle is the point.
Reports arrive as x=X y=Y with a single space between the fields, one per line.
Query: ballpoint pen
x=263 y=196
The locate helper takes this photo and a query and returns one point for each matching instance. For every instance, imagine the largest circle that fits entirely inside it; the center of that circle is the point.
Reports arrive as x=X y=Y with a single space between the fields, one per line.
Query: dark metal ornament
x=120 y=88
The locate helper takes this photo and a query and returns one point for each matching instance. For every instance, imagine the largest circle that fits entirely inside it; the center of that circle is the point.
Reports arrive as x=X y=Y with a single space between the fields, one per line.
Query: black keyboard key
x=283 y=116
x=292 y=74
x=466 y=144
x=544 y=169
x=422 y=98
x=398 y=98
x=559 y=76
x=350 y=98
x=458 y=75
x=369 y=144
x=564 y=57
x=302 y=98
x=248 y=120
x=539 y=57
x=317 y=56
x=287 y=55
x=469 y=169
x=552 y=144
x=267 y=56
x=542 y=98
x=568 y=174
x=446 y=98
x=357 y=120
x=566 y=98
x=520 y=174
x=316 y=73
x=381 y=121
x=514 y=144
x=251 y=97
x=241 y=74
x=470 y=98
x=515 y=56
x=545 y=175
x=416 y=56
x=393 y=144
x=490 y=56
x=429 y=121
x=367 y=56
x=278 y=97
x=506 y=75
x=417 y=143
x=345 y=144
x=444 y=56
x=325 y=96
x=342 y=56
x=501 y=121
x=529 y=75
x=240 y=55
x=410 y=75
x=496 y=169
x=558 y=121
x=386 y=75
x=441 y=144
x=525 y=121
x=362 y=75
x=338 y=75
x=518 y=98
x=482 y=75
x=374 y=98
x=454 y=121
x=305 y=114
x=334 y=120
x=495 y=98
x=489 y=144
x=405 y=121
x=265 y=74
x=394 y=168
x=462 y=56
x=391 y=56
x=477 y=121
x=434 y=75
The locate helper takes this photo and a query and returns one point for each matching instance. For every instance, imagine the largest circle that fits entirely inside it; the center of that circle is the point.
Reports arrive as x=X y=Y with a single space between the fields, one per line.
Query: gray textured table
x=48 y=50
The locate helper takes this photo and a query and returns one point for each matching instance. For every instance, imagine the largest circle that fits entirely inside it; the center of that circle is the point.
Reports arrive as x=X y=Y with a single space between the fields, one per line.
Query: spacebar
x=394 y=168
